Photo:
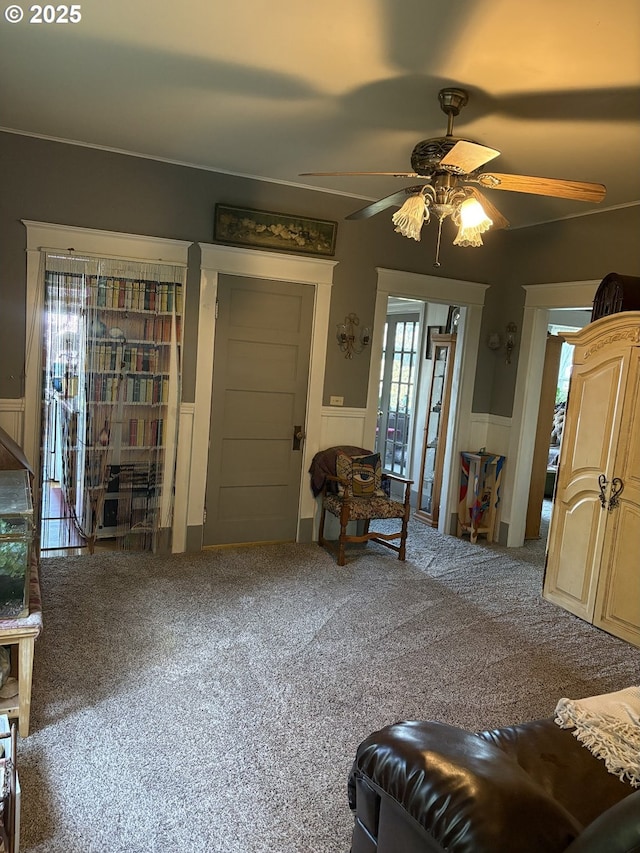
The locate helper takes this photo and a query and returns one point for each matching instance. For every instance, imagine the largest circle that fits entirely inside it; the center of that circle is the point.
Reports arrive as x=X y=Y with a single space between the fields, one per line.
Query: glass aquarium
x=16 y=539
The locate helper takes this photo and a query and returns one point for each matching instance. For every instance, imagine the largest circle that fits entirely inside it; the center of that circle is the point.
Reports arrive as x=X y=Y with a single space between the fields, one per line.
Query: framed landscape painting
x=260 y=229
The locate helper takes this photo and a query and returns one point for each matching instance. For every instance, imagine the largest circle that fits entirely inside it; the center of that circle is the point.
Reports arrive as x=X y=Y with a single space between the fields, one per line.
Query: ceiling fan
x=450 y=168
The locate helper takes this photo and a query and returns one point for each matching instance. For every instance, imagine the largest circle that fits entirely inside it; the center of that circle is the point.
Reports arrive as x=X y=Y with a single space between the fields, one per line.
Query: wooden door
x=543 y=435
x=261 y=368
x=617 y=607
x=589 y=440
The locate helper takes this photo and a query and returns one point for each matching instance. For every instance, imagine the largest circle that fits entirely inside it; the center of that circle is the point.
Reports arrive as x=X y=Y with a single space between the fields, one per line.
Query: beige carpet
x=215 y=702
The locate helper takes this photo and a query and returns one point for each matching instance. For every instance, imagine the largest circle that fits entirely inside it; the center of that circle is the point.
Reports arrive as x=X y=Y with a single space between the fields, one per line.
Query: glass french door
x=397 y=391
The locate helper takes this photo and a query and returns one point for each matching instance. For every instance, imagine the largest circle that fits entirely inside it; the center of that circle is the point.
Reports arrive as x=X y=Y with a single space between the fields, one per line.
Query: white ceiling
x=271 y=89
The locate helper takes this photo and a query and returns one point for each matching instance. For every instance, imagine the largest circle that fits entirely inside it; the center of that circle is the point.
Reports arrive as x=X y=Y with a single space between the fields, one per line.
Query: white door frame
x=447 y=291
x=78 y=241
x=539 y=300
x=254 y=263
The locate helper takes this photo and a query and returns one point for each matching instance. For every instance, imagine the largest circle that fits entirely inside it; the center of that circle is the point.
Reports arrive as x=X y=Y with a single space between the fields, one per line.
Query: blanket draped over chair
x=609 y=726
x=323 y=464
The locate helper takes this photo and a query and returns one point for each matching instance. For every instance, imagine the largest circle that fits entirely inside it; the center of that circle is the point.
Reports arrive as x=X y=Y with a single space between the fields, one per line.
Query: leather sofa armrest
x=468 y=794
x=615 y=831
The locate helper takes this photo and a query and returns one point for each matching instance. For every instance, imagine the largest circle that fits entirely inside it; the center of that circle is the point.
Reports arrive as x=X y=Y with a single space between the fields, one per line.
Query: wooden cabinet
x=594 y=539
x=433 y=444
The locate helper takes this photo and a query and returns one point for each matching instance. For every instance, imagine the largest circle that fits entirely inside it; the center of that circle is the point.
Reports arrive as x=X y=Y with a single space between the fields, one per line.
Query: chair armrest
x=398 y=479
x=332 y=478
x=466 y=793
x=615 y=831
x=407 y=486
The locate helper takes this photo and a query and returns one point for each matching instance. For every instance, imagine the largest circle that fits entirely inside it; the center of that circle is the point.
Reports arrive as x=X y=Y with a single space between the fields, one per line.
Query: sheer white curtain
x=113 y=339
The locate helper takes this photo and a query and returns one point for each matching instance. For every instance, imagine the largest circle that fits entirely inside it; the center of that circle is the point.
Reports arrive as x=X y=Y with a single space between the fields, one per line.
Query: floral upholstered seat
x=352 y=487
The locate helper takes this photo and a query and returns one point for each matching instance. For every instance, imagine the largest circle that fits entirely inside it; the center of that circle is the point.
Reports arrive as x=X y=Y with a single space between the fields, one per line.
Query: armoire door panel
x=596 y=398
x=618 y=600
x=627 y=461
x=577 y=541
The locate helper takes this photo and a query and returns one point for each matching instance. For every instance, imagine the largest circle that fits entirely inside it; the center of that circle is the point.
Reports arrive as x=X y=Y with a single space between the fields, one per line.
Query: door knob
x=298 y=436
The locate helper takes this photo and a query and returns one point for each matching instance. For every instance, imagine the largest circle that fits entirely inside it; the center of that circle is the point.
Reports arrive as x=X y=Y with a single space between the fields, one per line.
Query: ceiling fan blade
x=396 y=199
x=499 y=221
x=466 y=157
x=385 y=174
x=556 y=187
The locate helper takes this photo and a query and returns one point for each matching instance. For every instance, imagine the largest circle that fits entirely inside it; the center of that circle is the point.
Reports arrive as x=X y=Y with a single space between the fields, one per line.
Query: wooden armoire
x=593 y=551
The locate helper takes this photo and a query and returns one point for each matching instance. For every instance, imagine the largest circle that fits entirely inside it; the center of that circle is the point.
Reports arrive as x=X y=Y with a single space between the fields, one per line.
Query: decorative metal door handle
x=602 y=483
x=617 y=487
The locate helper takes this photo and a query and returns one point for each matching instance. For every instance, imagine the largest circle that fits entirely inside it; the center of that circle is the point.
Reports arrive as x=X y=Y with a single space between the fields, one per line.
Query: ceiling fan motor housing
x=427 y=154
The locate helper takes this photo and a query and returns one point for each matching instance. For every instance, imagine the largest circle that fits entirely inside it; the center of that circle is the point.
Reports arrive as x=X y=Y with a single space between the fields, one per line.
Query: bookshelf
x=119 y=410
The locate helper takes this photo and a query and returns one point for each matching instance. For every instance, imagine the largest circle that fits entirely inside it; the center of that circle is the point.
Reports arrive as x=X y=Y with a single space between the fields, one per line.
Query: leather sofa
x=427 y=787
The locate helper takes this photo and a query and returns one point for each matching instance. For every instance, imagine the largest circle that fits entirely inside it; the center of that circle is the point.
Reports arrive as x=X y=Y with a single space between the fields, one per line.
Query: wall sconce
x=494 y=341
x=346 y=336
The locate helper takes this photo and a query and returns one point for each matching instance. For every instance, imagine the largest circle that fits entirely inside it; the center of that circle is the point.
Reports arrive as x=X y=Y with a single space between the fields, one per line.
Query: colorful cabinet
x=480 y=481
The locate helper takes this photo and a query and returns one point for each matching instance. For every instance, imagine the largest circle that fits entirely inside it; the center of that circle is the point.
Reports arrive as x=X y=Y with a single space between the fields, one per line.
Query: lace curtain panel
x=113 y=332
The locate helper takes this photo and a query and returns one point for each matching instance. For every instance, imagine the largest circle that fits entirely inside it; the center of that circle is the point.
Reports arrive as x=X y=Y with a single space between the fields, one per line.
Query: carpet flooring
x=214 y=702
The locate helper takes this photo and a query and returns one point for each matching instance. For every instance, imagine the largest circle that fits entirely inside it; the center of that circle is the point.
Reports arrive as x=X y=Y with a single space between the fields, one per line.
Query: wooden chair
x=357 y=492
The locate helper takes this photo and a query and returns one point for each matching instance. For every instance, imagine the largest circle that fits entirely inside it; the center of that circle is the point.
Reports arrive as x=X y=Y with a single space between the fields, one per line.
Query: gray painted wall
x=71 y=185
x=578 y=249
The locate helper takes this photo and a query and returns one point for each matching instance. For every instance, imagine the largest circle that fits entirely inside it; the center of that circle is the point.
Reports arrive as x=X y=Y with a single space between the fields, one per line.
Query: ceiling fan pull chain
x=436 y=263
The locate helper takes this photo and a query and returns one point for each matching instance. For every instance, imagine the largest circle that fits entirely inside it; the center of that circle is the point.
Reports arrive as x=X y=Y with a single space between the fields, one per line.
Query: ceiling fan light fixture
x=472 y=222
x=411 y=217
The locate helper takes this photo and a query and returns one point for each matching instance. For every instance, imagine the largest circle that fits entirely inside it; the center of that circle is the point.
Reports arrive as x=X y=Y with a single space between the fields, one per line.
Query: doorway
x=398 y=376
x=539 y=300
x=110 y=353
x=258 y=410
x=553 y=399
x=61 y=356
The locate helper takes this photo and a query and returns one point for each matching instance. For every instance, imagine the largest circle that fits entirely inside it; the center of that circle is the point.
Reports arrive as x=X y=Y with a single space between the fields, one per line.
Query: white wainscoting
x=342 y=426
x=490 y=431
x=12 y=418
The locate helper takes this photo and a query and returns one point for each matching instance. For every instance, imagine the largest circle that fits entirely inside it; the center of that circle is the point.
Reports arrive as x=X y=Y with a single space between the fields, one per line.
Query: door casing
x=469 y=295
x=192 y=465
